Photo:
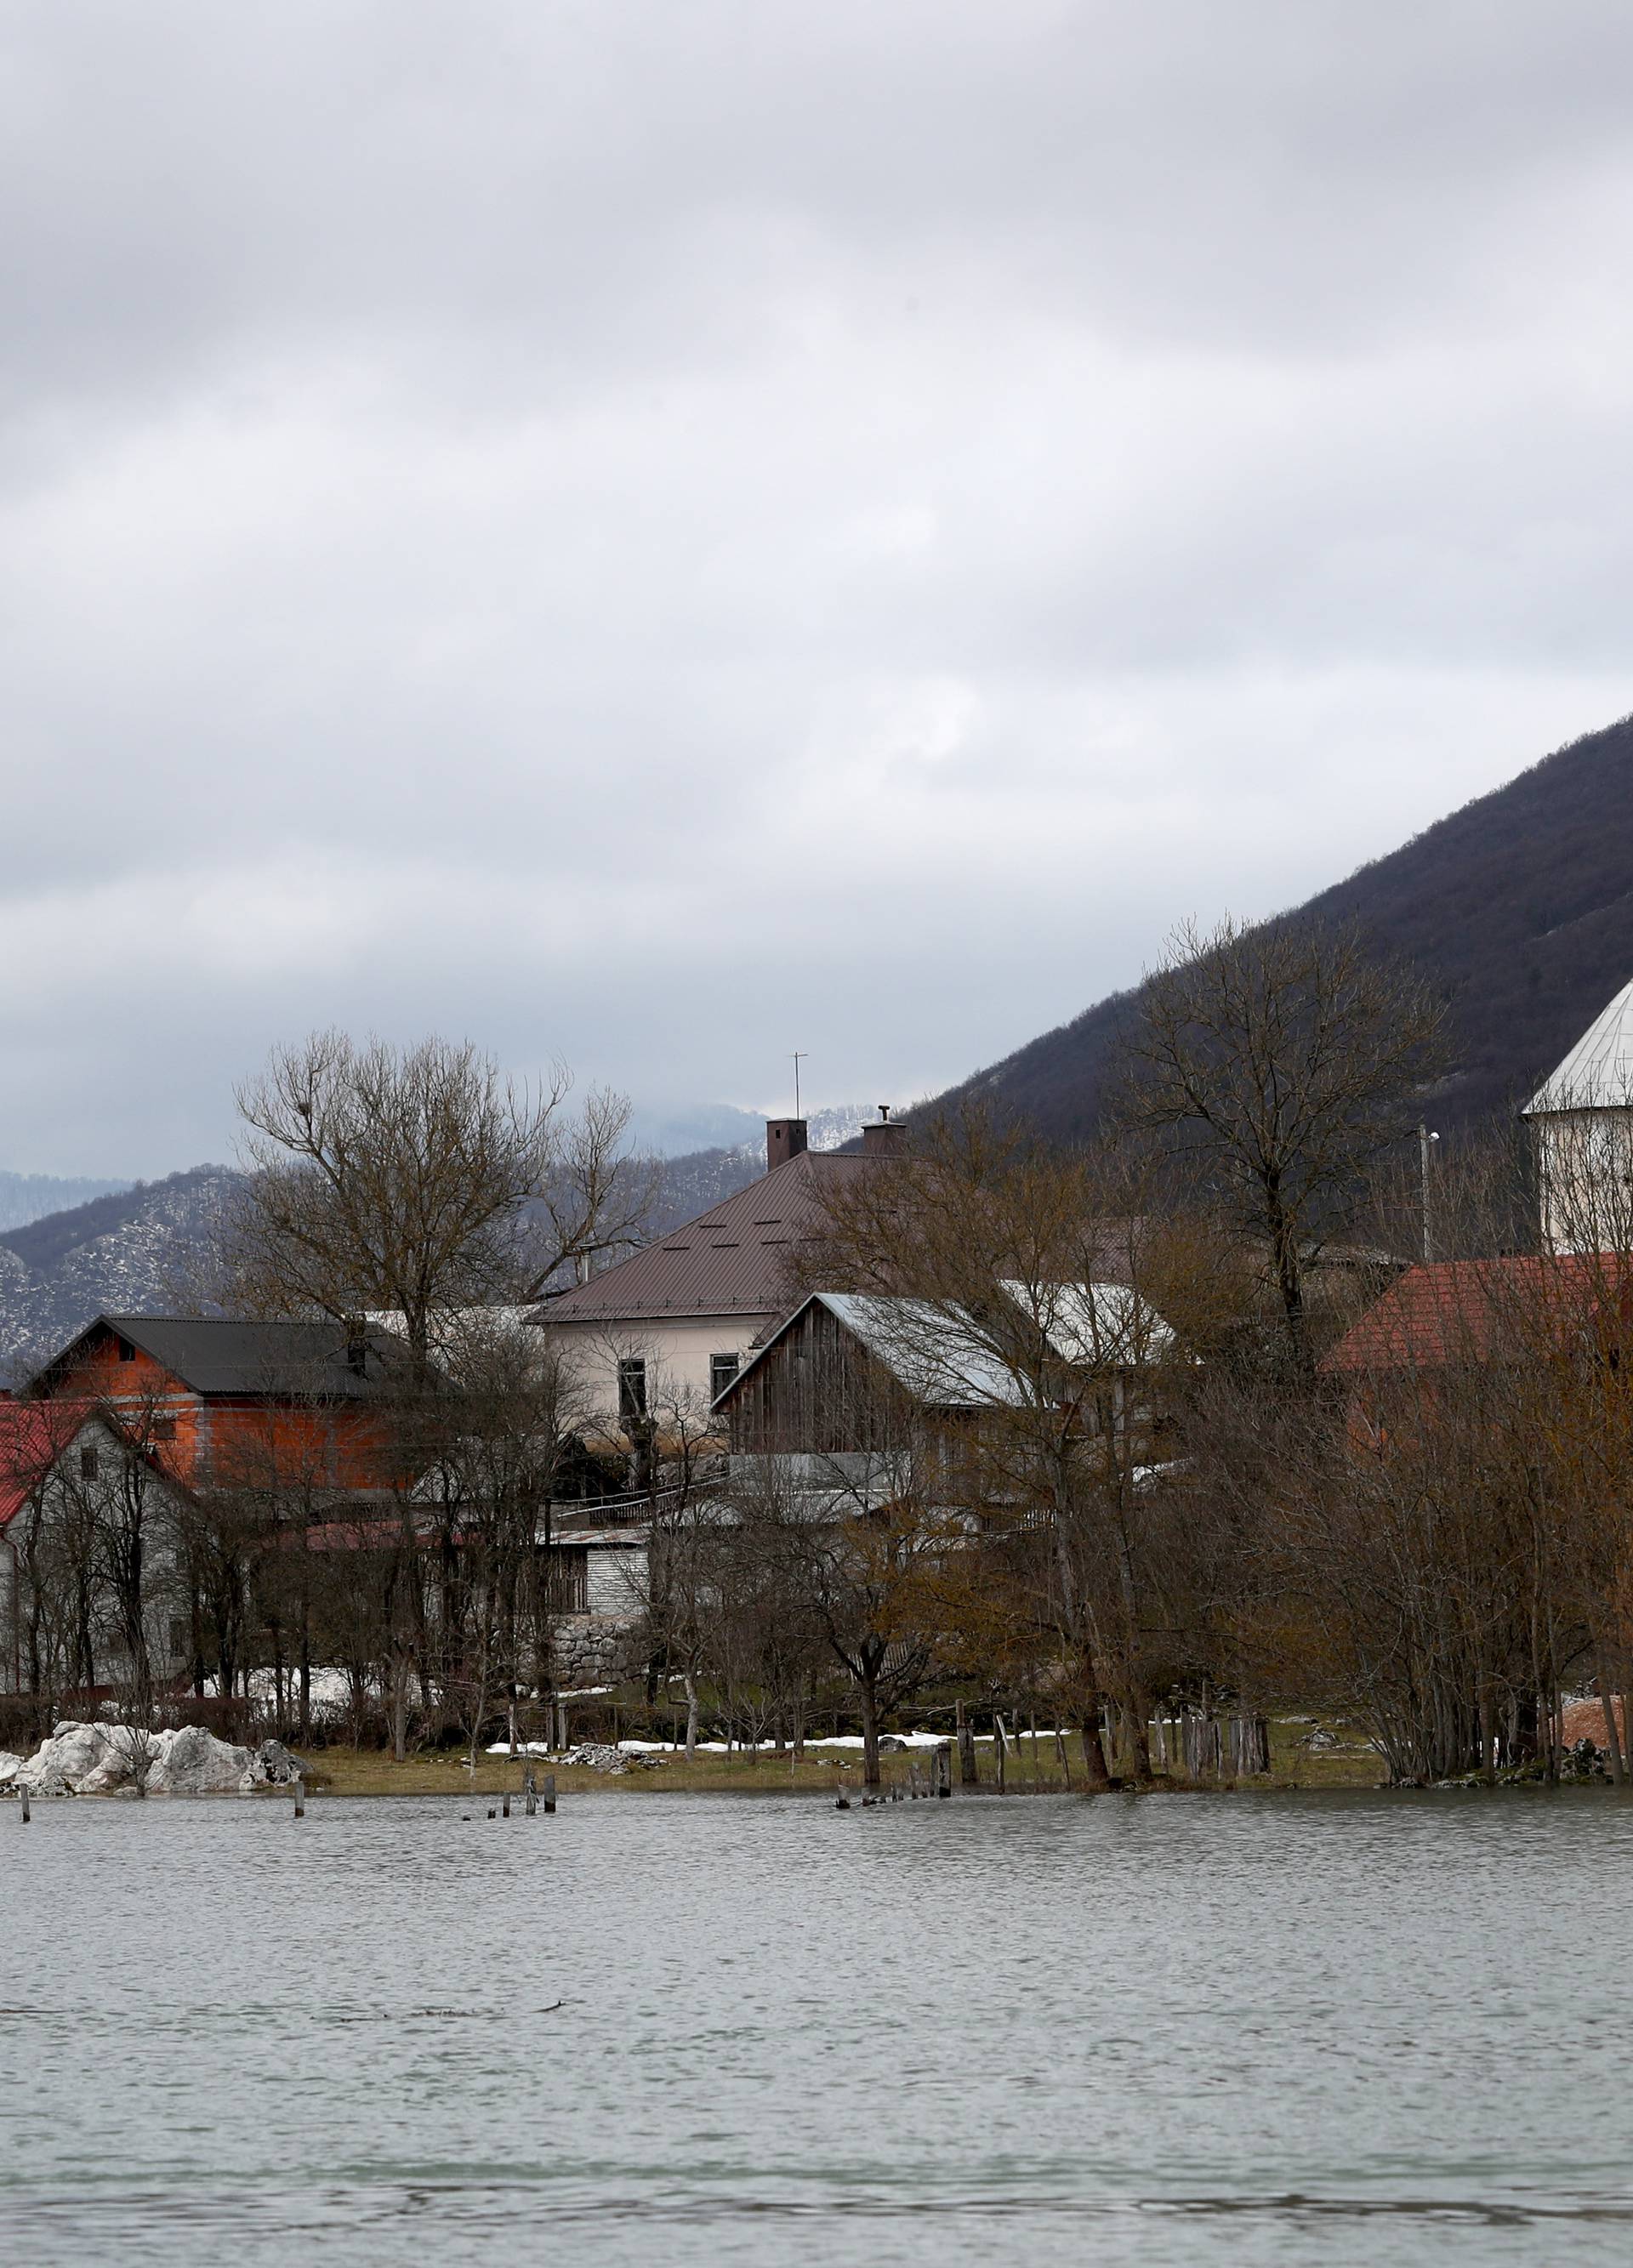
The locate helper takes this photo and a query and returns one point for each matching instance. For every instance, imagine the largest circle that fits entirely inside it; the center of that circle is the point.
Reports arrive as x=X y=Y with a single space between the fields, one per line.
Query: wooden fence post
x=1001 y=1748
x=27 y=1814
x=529 y=1791
x=1066 y=1762
x=968 y=1775
x=300 y=1797
x=549 y=1792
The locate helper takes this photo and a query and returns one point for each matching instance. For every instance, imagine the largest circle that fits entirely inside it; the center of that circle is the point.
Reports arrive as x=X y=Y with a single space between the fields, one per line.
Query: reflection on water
x=1165 y=2030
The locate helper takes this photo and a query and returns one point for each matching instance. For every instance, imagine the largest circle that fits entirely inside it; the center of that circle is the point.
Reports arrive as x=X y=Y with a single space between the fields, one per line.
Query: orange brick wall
x=245 y=1442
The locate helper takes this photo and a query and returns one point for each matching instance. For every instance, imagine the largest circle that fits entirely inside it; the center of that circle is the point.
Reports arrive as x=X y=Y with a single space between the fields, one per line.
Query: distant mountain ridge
x=1518 y=907
x=30 y=1197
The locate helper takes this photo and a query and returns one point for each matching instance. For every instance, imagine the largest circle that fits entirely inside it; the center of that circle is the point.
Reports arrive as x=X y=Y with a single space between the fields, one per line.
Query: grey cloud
x=661 y=534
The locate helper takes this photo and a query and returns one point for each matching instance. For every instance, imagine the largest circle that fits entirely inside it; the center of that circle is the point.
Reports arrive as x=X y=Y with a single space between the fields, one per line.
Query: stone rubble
x=601 y=1756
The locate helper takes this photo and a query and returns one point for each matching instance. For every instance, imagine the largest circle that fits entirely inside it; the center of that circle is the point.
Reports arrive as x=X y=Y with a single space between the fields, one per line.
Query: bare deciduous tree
x=419 y=1181
x=1284 y=1060
x=1029 y=1274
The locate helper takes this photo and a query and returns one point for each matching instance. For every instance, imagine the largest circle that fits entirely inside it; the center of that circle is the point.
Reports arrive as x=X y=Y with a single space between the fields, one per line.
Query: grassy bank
x=368 y=1771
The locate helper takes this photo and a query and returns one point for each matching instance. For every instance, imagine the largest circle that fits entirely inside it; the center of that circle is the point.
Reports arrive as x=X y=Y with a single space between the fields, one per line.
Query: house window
x=164 y=1429
x=722 y=1369
x=631 y=1388
x=127 y=1352
x=88 y=1461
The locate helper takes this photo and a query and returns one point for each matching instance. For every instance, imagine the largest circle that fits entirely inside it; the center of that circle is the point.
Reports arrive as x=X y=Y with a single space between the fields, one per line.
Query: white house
x=667 y=1329
x=81 y=1504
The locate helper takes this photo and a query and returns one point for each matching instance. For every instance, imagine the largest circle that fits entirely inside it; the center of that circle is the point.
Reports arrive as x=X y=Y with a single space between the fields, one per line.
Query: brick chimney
x=886 y=1139
x=785 y=1139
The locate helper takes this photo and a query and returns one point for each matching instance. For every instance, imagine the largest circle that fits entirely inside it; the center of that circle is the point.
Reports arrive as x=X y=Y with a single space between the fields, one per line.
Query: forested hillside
x=1518 y=908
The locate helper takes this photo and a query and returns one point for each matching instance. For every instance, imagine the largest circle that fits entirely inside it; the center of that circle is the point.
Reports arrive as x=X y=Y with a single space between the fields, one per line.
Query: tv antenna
x=799 y=1058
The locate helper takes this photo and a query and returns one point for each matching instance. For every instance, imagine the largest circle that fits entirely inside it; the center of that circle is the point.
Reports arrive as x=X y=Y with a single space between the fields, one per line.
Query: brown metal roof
x=732 y=1260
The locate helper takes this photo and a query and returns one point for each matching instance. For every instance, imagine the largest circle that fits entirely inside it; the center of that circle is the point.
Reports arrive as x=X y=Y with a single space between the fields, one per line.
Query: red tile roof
x=731 y=1261
x=33 y=1436
x=1452 y=1311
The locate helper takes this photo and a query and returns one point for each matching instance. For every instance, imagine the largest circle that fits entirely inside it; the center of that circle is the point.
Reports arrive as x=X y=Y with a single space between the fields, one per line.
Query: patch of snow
x=102 y=1759
x=331 y=1692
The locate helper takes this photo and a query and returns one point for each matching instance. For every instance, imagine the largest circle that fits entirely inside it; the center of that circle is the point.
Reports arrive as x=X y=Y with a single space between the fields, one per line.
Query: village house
x=665 y=1331
x=82 y=1503
x=282 y=1404
x=1447 y=1315
x=1573 y=1296
x=855 y=1396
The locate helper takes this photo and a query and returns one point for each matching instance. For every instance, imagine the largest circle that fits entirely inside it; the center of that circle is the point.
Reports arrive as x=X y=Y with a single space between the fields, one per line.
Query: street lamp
x=1424 y=1138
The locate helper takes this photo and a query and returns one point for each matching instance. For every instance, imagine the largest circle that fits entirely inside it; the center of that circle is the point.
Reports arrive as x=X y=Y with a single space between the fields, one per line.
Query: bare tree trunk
x=1139 y=1737
x=1613 y=1739
x=1094 y=1754
x=304 y=1723
x=690 y=1679
x=279 y=1687
x=867 y=1687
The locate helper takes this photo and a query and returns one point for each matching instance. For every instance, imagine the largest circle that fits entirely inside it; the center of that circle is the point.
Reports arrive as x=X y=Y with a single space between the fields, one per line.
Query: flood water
x=1333 y=2029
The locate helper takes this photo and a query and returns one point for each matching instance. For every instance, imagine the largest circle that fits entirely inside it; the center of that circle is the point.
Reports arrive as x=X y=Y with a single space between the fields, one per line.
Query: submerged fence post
x=27 y=1814
x=530 y=1790
x=507 y=1803
x=300 y=1797
x=1066 y=1762
x=549 y=1792
x=1001 y=1747
x=943 y=1769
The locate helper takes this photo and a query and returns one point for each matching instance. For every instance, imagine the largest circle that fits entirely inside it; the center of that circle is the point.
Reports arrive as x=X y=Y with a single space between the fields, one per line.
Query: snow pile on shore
x=101 y=1759
x=9 y=1763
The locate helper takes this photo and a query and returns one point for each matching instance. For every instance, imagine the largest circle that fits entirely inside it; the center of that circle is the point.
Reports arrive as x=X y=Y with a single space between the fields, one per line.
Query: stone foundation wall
x=593 y=1649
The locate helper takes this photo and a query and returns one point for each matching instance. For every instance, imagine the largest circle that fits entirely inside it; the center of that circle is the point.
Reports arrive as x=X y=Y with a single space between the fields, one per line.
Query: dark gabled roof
x=212 y=1355
x=732 y=1260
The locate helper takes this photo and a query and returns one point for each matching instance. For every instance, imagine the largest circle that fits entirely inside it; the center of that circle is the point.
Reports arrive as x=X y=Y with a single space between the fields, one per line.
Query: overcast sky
x=662 y=534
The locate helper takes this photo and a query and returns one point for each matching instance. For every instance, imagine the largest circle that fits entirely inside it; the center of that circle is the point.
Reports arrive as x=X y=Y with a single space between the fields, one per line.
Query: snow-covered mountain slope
x=148 y=1248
